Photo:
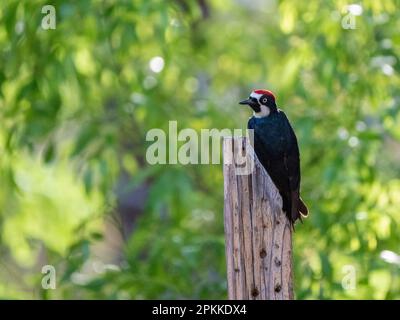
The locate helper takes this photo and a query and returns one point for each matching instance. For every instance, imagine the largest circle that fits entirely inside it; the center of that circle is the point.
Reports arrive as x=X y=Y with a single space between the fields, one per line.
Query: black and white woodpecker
x=276 y=147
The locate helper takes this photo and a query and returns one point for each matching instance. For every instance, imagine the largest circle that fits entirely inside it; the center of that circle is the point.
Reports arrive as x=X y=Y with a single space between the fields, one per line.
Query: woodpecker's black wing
x=291 y=160
x=291 y=153
x=275 y=144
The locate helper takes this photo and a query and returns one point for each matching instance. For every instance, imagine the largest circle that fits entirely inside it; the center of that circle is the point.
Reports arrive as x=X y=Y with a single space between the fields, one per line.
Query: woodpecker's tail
x=294 y=207
x=303 y=208
x=299 y=209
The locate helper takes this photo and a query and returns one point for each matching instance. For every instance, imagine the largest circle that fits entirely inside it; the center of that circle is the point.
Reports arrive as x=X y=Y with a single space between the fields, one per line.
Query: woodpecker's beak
x=247 y=101
x=250 y=102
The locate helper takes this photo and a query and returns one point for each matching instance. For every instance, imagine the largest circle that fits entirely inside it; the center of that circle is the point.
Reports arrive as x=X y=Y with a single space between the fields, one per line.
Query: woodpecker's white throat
x=263 y=113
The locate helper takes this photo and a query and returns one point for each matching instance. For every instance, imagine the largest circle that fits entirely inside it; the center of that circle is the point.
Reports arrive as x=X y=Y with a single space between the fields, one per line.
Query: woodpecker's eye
x=263 y=100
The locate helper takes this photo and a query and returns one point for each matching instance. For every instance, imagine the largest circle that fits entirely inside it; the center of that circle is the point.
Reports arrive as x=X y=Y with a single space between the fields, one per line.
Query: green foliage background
x=76 y=104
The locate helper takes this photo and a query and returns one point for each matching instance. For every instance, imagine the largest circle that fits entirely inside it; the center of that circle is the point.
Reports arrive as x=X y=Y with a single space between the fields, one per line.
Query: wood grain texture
x=258 y=236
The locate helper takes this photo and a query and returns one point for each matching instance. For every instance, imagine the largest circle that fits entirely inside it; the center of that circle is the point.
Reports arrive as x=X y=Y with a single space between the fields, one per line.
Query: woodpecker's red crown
x=267 y=92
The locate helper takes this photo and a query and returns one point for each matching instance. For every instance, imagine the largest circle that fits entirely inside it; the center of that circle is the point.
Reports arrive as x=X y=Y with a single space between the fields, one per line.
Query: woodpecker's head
x=262 y=102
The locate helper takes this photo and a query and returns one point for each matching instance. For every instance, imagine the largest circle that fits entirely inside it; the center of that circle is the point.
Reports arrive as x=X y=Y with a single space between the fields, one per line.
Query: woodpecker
x=276 y=147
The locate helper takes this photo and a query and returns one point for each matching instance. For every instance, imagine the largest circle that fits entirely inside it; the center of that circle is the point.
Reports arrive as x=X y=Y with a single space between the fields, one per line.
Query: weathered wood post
x=258 y=236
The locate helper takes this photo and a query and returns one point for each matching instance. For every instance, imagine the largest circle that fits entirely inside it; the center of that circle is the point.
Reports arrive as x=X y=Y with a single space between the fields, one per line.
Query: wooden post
x=258 y=236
